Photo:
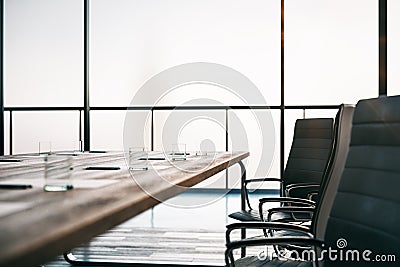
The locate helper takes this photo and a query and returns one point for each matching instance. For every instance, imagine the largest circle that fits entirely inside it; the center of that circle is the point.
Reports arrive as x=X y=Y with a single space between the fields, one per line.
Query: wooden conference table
x=37 y=225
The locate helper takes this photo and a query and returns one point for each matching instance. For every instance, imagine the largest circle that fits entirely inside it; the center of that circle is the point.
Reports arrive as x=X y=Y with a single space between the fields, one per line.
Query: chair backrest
x=329 y=186
x=310 y=151
x=365 y=212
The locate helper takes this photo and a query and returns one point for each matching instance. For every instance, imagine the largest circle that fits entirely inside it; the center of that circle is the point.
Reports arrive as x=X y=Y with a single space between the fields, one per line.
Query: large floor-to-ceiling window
x=42 y=68
x=331 y=57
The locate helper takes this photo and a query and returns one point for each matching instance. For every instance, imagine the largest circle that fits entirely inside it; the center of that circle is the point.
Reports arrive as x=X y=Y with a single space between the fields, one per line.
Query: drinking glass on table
x=57 y=173
x=44 y=148
x=179 y=151
x=138 y=159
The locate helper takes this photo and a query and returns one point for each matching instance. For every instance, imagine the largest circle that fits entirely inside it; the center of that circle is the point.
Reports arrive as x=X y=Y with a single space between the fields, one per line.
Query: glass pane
x=262 y=143
x=393 y=44
x=197 y=129
x=131 y=41
x=137 y=129
x=331 y=51
x=320 y=113
x=200 y=130
x=201 y=206
x=61 y=128
x=107 y=130
x=7 y=133
x=43 y=53
x=196 y=94
x=215 y=181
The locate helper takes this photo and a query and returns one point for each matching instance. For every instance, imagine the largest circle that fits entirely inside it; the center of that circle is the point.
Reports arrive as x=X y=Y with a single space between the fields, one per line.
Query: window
x=43 y=53
x=331 y=51
x=139 y=39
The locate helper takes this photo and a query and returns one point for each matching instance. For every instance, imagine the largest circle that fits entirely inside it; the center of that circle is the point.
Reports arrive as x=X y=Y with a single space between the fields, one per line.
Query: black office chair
x=362 y=214
x=342 y=129
x=343 y=124
x=308 y=158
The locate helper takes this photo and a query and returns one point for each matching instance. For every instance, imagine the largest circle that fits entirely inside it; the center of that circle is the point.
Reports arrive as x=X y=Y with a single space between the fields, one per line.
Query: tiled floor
x=188 y=229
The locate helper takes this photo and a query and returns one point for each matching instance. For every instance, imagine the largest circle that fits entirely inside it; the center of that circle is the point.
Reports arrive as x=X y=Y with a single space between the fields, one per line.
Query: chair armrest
x=301 y=184
x=288 y=200
x=292 y=200
x=301 y=189
x=290 y=209
x=255 y=180
x=266 y=226
x=312 y=196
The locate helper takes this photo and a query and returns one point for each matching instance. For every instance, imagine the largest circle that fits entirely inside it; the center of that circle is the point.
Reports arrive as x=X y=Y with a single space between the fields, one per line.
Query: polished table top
x=38 y=225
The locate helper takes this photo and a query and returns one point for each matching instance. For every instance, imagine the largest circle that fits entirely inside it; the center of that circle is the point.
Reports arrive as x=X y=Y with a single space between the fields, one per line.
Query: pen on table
x=103 y=168
x=15 y=186
x=152 y=158
x=10 y=160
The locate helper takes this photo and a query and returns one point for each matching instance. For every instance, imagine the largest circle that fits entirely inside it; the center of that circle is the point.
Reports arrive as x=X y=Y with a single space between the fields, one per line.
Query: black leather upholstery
x=366 y=208
x=308 y=157
x=253 y=215
x=309 y=154
x=246 y=215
